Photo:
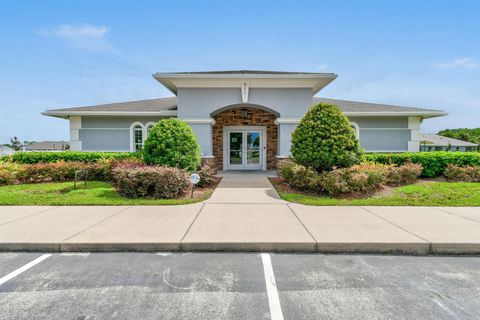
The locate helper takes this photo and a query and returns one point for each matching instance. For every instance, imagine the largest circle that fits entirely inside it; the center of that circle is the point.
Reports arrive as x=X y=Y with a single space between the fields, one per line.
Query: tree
x=15 y=144
x=172 y=142
x=324 y=139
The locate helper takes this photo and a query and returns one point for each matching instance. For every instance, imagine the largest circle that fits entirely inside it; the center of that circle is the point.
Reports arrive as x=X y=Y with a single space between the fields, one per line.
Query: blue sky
x=63 y=53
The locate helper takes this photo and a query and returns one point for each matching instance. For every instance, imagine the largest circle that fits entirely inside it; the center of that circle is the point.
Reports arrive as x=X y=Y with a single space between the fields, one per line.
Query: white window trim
x=357 y=129
x=132 y=135
x=145 y=130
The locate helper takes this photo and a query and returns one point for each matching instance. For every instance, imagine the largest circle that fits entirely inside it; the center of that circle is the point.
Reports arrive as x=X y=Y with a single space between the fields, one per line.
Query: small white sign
x=194 y=178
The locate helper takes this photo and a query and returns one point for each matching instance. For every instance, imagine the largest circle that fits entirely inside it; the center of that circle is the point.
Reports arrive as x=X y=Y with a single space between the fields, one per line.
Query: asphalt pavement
x=165 y=285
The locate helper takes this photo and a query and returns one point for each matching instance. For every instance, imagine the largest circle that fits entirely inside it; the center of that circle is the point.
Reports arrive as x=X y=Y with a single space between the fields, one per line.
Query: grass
x=442 y=194
x=63 y=194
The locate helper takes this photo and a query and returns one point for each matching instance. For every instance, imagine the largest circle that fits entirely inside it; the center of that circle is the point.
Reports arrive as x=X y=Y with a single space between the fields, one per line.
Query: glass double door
x=244 y=150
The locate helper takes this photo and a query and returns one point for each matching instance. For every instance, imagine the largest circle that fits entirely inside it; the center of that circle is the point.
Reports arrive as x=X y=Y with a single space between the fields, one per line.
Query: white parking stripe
x=20 y=270
x=75 y=254
x=273 y=299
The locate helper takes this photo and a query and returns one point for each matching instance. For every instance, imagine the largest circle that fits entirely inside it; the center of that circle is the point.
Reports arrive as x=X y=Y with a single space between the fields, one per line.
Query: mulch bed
x=199 y=192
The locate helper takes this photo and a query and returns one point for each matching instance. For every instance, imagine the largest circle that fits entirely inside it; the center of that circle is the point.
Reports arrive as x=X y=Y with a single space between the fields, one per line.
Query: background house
x=435 y=142
x=51 y=146
x=6 y=150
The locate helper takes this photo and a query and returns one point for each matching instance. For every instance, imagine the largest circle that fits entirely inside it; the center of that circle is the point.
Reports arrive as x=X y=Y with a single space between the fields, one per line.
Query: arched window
x=356 y=128
x=148 y=127
x=136 y=136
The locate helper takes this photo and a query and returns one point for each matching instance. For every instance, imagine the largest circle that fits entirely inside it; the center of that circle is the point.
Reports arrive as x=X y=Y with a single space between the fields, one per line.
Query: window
x=149 y=126
x=138 y=137
x=356 y=128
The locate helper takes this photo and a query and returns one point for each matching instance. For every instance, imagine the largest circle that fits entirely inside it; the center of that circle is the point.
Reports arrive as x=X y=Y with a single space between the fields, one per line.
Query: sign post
x=194 y=179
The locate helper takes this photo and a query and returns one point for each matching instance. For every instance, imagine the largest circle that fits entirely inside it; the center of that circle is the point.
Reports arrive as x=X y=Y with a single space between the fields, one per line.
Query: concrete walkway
x=245 y=213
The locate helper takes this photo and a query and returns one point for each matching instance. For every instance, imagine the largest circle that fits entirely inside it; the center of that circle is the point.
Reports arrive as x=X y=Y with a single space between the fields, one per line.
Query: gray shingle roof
x=242 y=72
x=356 y=106
x=437 y=140
x=162 y=104
x=150 y=105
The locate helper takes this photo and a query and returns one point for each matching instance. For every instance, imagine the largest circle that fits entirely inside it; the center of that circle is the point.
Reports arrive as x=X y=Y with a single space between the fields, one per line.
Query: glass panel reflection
x=236 y=145
x=253 y=147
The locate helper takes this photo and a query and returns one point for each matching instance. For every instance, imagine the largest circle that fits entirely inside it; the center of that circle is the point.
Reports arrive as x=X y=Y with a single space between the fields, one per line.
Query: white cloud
x=459 y=63
x=85 y=36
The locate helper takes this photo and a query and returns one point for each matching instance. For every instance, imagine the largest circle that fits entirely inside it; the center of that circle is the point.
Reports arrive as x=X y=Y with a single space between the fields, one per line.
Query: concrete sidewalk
x=244 y=213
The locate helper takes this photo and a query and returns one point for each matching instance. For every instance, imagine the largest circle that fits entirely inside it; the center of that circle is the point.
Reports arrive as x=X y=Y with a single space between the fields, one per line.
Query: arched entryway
x=245 y=137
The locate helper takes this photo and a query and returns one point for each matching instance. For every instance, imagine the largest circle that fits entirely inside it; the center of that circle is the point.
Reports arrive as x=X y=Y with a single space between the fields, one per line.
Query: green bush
x=62 y=171
x=66 y=156
x=433 y=163
x=466 y=174
x=150 y=181
x=171 y=142
x=324 y=140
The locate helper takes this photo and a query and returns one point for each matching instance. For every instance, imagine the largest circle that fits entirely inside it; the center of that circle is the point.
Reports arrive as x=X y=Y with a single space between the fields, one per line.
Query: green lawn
x=60 y=194
x=421 y=194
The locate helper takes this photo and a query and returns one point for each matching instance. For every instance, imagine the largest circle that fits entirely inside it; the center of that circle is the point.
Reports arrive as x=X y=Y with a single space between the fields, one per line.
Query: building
x=243 y=119
x=51 y=146
x=434 y=142
x=6 y=150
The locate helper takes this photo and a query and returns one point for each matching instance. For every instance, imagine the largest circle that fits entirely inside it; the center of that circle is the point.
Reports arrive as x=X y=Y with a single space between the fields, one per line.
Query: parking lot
x=237 y=286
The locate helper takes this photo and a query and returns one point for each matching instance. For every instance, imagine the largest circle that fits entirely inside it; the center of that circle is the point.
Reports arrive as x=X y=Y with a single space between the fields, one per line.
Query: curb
x=308 y=247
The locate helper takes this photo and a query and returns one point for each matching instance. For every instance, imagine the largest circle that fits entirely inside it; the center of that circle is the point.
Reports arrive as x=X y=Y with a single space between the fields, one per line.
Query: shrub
x=66 y=156
x=61 y=171
x=433 y=163
x=324 y=139
x=334 y=183
x=404 y=174
x=393 y=175
x=467 y=174
x=6 y=176
x=171 y=142
x=207 y=174
x=359 y=179
x=150 y=181
x=300 y=177
x=350 y=181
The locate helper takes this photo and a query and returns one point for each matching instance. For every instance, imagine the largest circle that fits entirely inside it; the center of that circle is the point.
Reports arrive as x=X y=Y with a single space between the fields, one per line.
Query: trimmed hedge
x=60 y=171
x=66 y=156
x=151 y=181
x=357 y=180
x=433 y=163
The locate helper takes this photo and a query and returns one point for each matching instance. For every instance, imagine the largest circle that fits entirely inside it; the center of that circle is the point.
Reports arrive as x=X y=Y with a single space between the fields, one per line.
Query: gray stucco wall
x=201 y=103
x=381 y=122
x=383 y=133
x=384 y=140
x=105 y=140
x=109 y=133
